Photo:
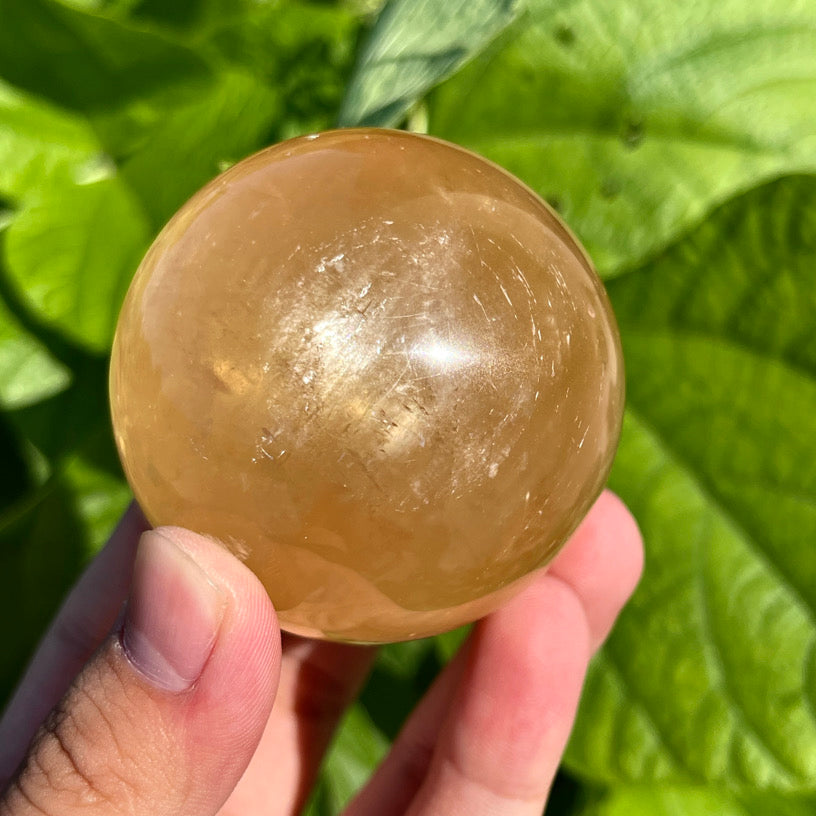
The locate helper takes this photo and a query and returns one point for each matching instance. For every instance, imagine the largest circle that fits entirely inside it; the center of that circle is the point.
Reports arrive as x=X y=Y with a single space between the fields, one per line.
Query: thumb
x=166 y=716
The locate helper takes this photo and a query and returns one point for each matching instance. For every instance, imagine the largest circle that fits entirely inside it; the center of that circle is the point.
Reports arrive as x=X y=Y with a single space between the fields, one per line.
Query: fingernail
x=172 y=616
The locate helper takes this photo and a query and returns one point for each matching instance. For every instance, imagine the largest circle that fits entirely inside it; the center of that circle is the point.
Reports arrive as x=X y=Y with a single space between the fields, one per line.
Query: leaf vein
x=718 y=503
x=715 y=658
x=630 y=689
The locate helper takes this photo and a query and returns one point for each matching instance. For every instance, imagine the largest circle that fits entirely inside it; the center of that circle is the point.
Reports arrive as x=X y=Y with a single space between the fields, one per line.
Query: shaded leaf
x=16 y=480
x=44 y=544
x=304 y=51
x=70 y=496
x=402 y=674
x=181 y=13
x=84 y=61
x=414 y=45
x=568 y=797
x=40 y=554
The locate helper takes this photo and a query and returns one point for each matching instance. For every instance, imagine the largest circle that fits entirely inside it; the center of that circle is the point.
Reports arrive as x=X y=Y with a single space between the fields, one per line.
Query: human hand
x=170 y=714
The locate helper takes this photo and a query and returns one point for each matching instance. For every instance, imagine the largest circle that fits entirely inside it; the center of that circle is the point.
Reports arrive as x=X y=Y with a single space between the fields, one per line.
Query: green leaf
x=449 y=643
x=356 y=751
x=71 y=252
x=304 y=51
x=18 y=476
x=107 y=7
x=193 y=16
x=100 y=494
x=61 y=495
x=763 y=803
x=87 y=62
x=404 y=660
x=28 y=372
x=635 y=119
x=402 y=674
x=45 y=541
x=40 y=554
x=710 y=674
x=414 y=45
x=280 y=73
x=179 y=13
x=38 y=141
x=695 y=801
x=195 y=142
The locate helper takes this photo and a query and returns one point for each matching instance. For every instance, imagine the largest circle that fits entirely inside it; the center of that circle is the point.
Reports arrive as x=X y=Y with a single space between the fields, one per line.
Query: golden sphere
x=380 y=370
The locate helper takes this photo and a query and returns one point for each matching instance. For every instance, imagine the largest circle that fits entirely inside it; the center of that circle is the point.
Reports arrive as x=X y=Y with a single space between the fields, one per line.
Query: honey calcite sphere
x=380 y=370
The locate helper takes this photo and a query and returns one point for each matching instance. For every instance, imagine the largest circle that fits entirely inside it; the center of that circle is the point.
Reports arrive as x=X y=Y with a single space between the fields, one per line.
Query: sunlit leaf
x=709 y=675
x=636 y=118
x=695 y=801
x=71 y=252
x=38 y=141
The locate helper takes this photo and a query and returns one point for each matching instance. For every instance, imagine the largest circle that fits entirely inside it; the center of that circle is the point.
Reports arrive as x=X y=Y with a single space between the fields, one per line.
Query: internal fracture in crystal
x=380 y=370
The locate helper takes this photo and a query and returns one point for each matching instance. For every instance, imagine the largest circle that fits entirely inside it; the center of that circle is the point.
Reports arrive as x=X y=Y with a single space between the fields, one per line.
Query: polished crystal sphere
x=380 y=370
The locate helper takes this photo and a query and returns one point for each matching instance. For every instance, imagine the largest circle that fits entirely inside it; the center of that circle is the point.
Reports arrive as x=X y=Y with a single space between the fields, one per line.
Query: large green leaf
x=635 y=118
x=29 y=370
x=414 y=45
x=71 y=252
x=711 y=672
x=695 y=801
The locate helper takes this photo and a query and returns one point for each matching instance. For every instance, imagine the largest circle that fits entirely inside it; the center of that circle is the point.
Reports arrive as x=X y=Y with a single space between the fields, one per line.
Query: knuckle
x=57 y=768
x=79 y=761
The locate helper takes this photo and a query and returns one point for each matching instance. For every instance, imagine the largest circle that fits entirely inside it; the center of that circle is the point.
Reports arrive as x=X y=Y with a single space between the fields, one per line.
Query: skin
x=93 y=729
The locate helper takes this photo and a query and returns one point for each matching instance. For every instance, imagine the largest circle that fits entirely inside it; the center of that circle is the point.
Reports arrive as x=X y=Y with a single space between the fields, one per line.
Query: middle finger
x=318 y=681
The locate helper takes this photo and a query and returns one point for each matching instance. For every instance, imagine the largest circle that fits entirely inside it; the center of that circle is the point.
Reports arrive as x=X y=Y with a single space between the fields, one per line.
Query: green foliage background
x=679 y=142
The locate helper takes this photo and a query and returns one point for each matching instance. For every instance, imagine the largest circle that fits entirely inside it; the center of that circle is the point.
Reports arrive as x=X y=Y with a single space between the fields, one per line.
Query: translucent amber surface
x=380 y=370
